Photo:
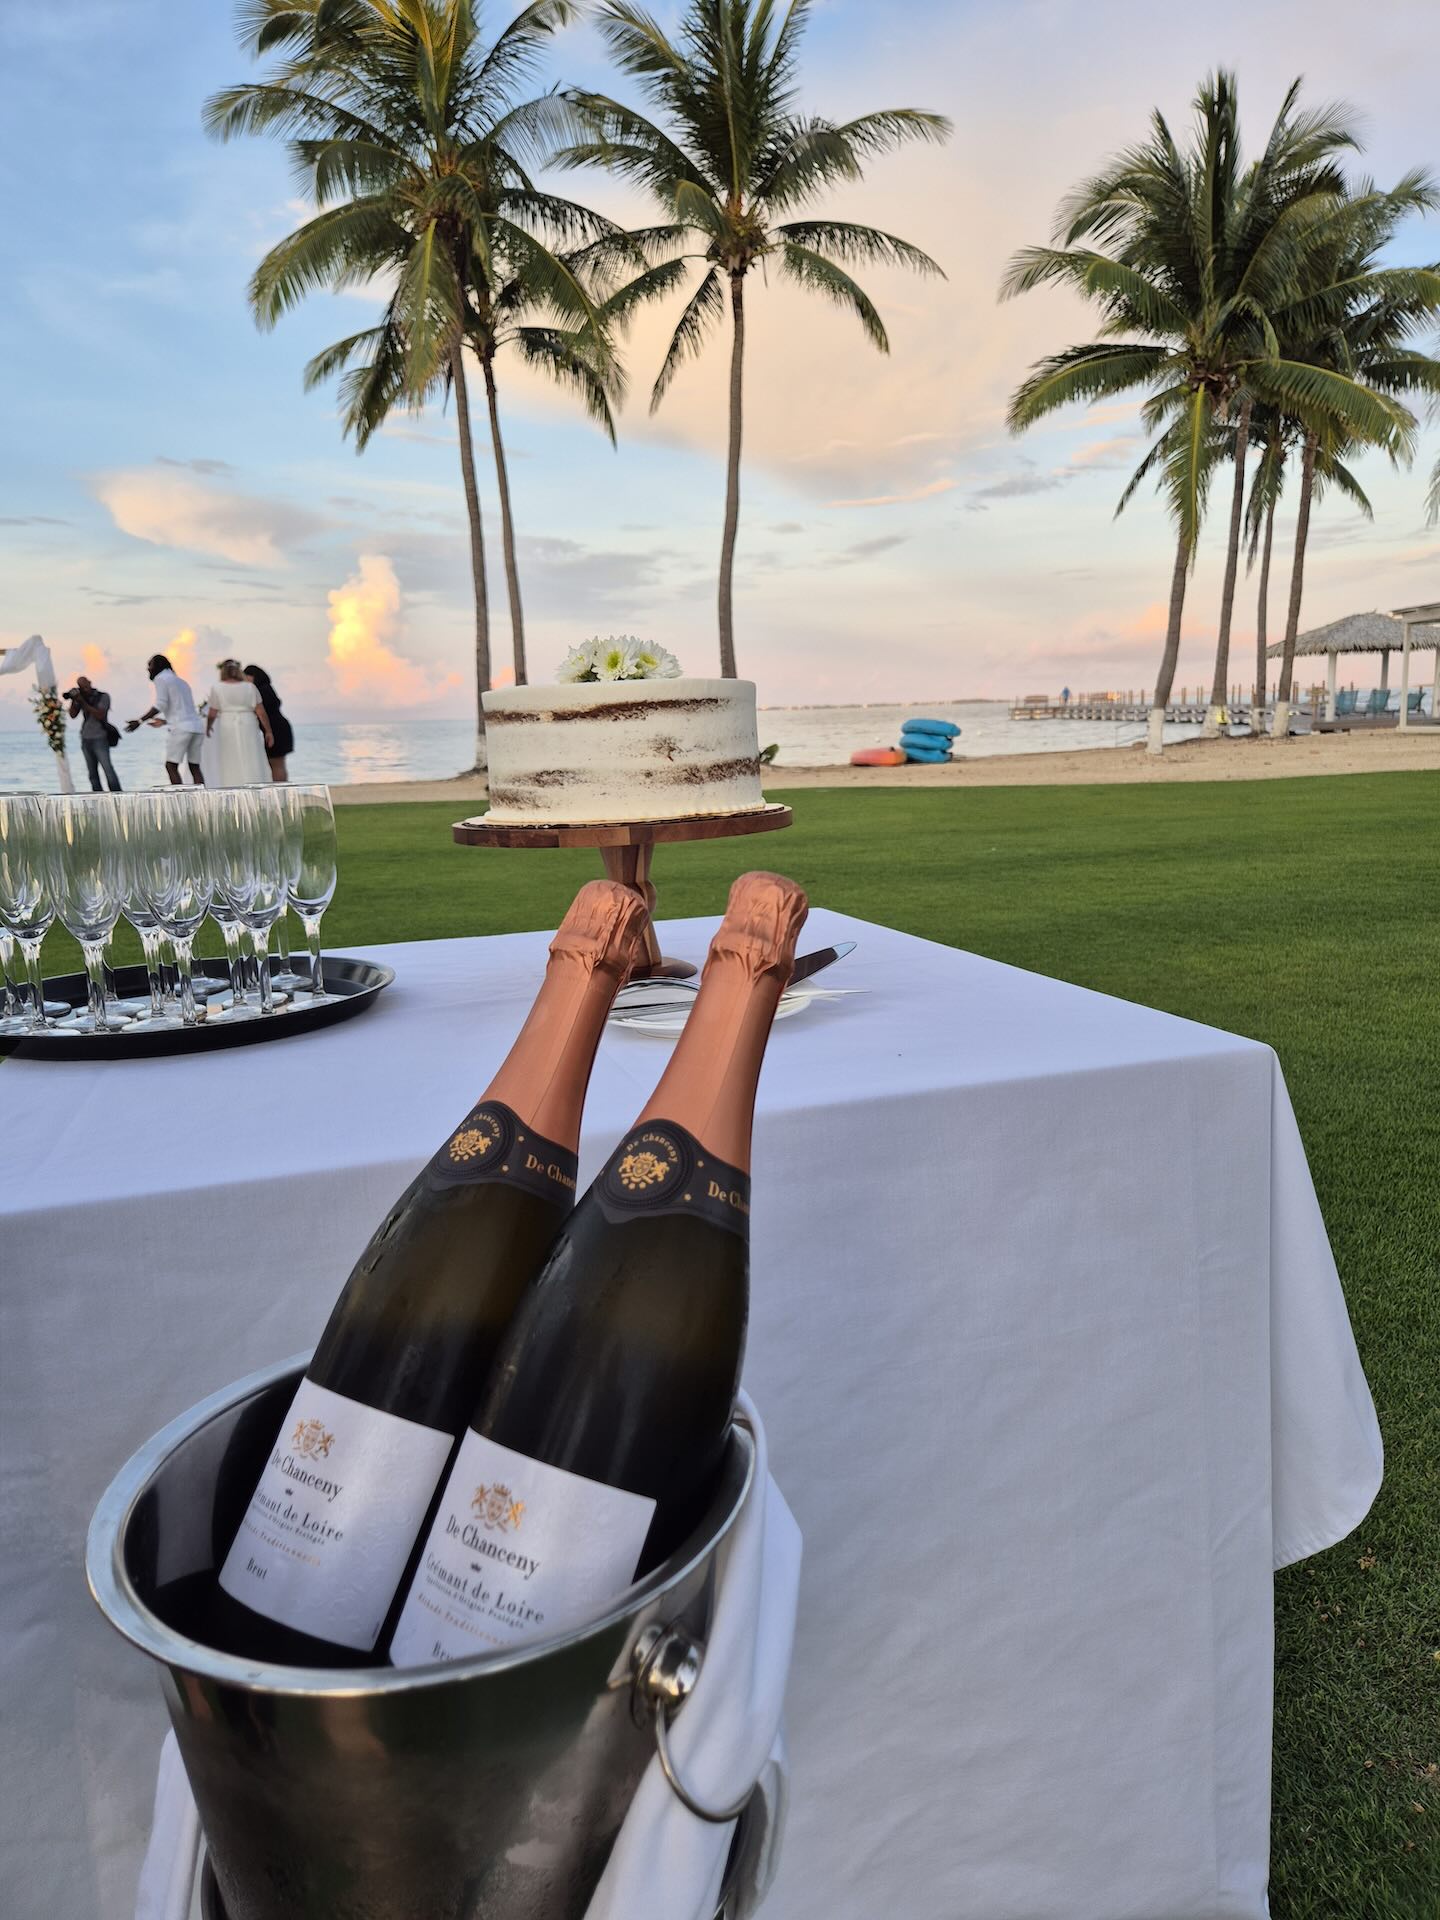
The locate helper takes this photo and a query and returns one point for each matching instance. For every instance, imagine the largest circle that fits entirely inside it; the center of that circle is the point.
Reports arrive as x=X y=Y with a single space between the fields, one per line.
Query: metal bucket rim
x=114 y=1592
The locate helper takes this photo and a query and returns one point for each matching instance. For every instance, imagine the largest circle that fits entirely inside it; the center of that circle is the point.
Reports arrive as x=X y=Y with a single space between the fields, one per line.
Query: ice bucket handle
x=666 y=1664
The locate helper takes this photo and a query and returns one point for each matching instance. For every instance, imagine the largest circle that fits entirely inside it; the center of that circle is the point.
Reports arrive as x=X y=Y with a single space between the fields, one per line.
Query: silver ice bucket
x=488 y=1789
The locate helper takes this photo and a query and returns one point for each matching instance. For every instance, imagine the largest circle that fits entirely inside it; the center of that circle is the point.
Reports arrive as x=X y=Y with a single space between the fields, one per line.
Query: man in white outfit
x=175 y=704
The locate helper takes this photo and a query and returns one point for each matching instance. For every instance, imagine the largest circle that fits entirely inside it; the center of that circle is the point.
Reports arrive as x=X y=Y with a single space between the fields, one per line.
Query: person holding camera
x=97 y=736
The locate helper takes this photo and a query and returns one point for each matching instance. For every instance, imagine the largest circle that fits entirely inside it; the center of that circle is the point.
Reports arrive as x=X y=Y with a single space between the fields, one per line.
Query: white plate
x=668 y=1024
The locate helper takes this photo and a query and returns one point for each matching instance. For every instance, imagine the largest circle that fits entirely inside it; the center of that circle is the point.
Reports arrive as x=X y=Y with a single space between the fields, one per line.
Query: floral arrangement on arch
x=618 y=657
x=51 y=716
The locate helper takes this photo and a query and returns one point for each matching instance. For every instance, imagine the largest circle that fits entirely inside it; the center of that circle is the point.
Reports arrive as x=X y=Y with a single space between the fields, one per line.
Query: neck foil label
x=492 y=1143
x=661 y=1168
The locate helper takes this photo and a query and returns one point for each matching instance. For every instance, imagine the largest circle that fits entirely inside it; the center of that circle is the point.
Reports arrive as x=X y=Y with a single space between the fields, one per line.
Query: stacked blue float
x=928 y=741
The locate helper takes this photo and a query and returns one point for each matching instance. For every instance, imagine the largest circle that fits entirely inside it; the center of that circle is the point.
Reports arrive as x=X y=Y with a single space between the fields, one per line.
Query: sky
x=166 y=483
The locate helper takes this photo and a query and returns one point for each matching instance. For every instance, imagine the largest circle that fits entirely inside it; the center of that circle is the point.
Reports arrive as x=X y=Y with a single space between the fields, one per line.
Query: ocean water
x=344 y=751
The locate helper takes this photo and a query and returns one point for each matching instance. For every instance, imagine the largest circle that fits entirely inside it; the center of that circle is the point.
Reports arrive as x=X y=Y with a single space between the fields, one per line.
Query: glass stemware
x=85 y=863
x=135 y=824
x=172 y=866
x=285 y=974
x=27 y=907
x=310 y=860
x=12 y=1019
x=229 y=824
x=270 y=870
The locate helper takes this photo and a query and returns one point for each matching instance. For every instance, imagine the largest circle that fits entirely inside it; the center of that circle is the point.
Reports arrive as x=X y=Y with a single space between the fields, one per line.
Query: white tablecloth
x=1046 y=1332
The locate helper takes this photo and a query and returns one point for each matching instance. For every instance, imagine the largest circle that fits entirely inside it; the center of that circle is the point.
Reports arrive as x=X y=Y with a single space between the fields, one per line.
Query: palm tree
x=1202 y=251
x=576 y=357
x=1269 y=431
x=407 y=131
x=1357 y=319
x=728 y=158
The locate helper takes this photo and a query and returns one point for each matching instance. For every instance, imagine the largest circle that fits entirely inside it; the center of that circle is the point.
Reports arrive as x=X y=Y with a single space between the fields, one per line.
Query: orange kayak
x=877 y=757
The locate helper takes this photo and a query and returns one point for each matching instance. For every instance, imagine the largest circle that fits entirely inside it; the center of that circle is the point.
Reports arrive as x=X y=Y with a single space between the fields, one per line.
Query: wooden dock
x=1035 y=708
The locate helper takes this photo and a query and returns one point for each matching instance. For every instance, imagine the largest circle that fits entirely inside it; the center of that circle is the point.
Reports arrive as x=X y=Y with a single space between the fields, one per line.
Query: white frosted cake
x=585 y=753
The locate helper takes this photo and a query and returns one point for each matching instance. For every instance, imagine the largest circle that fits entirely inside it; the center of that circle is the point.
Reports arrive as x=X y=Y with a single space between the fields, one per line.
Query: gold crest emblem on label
x=471 y=1142
x=311 y=1441
x=640 y=1170
x=495 y=1506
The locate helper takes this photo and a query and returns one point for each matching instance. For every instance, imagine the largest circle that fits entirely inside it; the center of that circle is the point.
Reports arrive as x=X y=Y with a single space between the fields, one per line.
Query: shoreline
x=1317 y=753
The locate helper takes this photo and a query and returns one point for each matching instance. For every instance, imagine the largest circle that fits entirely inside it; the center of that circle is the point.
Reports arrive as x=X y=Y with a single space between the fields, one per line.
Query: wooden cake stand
x=625 y=848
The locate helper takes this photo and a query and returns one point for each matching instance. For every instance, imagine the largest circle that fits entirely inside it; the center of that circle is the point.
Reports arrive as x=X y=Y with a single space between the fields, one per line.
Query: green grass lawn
x=1305 y=913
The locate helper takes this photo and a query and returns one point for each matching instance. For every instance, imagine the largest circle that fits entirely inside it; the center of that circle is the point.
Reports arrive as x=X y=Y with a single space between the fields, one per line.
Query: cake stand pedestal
x=625 y=849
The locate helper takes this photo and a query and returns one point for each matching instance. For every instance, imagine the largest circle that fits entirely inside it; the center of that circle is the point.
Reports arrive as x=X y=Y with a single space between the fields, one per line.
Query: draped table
x=1045 y=1330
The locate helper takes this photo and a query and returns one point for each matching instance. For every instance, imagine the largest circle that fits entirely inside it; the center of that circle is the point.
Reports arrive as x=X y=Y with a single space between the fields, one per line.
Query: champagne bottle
x=324 y=1543
x=600 y=1434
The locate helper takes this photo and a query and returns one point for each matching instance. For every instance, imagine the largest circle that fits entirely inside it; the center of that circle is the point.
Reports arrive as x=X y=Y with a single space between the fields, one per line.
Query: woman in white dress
x=237 y=725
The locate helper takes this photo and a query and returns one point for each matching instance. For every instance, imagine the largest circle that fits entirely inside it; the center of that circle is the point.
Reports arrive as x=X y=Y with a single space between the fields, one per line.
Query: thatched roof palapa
x=1358 y=633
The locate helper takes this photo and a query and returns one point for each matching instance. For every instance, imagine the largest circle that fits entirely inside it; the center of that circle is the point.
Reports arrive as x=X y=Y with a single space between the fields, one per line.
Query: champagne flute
x=173 y=869
x=229 y=828
x=285 y=974
x=135 y=823
x=85 y=862
x=12 y=1020
x=271 y=874
x=310 y=855
x=27 y=906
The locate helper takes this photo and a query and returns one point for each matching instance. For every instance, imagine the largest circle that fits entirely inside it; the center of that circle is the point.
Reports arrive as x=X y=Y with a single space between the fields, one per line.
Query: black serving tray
x=355 y=985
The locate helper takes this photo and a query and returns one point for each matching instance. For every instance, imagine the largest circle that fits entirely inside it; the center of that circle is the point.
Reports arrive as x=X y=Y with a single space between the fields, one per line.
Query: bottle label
x=491 y=1143
x=518 y=1550
x=324 y=1541
x=663 y=1168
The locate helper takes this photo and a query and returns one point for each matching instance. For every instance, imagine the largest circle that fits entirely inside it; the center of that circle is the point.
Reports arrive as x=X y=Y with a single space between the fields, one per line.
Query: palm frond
x=1153 y=456
x=843 y=240
x=564 y=355
x=342 y=247
x=516 y=51
x=619 y=307
x=812 y=270
x=1349 y=405
x=876 y=133
x=1083 y=373
x=1334 y=473
x=702 y=310
x=261 y=107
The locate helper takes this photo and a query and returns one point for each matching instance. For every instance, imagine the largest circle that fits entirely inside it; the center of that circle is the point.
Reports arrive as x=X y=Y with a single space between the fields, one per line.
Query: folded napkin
x=167 y=1876
x=725 y=1740
x=727 y=1736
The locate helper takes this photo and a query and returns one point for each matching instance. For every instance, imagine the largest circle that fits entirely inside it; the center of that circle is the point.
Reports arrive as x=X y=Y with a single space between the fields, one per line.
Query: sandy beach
x=1087 y=766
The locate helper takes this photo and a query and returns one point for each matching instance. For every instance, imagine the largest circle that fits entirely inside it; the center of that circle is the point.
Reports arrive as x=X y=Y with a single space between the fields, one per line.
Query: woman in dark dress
x=281 y=731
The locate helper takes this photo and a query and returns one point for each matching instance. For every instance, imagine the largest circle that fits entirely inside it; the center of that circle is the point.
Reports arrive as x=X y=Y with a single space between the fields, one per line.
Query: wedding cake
x=623 y=736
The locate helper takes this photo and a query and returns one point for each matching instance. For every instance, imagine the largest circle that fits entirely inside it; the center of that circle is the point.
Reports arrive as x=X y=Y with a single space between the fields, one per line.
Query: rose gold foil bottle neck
x=709 y=1085
x=546 y=1072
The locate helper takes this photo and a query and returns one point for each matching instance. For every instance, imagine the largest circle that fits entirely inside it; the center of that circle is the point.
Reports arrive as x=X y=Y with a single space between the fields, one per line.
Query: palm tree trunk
x=1297 y=588
x=477 y=551
x=1165 y=680
x=1219 y=686
x=507 y=527
x=732 y=483
x=1257 y=717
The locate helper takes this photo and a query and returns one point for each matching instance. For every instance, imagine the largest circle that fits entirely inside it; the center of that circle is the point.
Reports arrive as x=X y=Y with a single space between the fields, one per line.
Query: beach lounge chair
x=1345 y=702
x=1379 y=701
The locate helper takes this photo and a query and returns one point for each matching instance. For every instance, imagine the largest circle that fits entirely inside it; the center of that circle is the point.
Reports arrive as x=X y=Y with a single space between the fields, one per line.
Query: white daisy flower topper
x=618 y=657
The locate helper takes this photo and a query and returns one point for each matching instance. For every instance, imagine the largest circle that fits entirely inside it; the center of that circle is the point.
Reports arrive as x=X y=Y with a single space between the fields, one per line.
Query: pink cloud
x=364 y=621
